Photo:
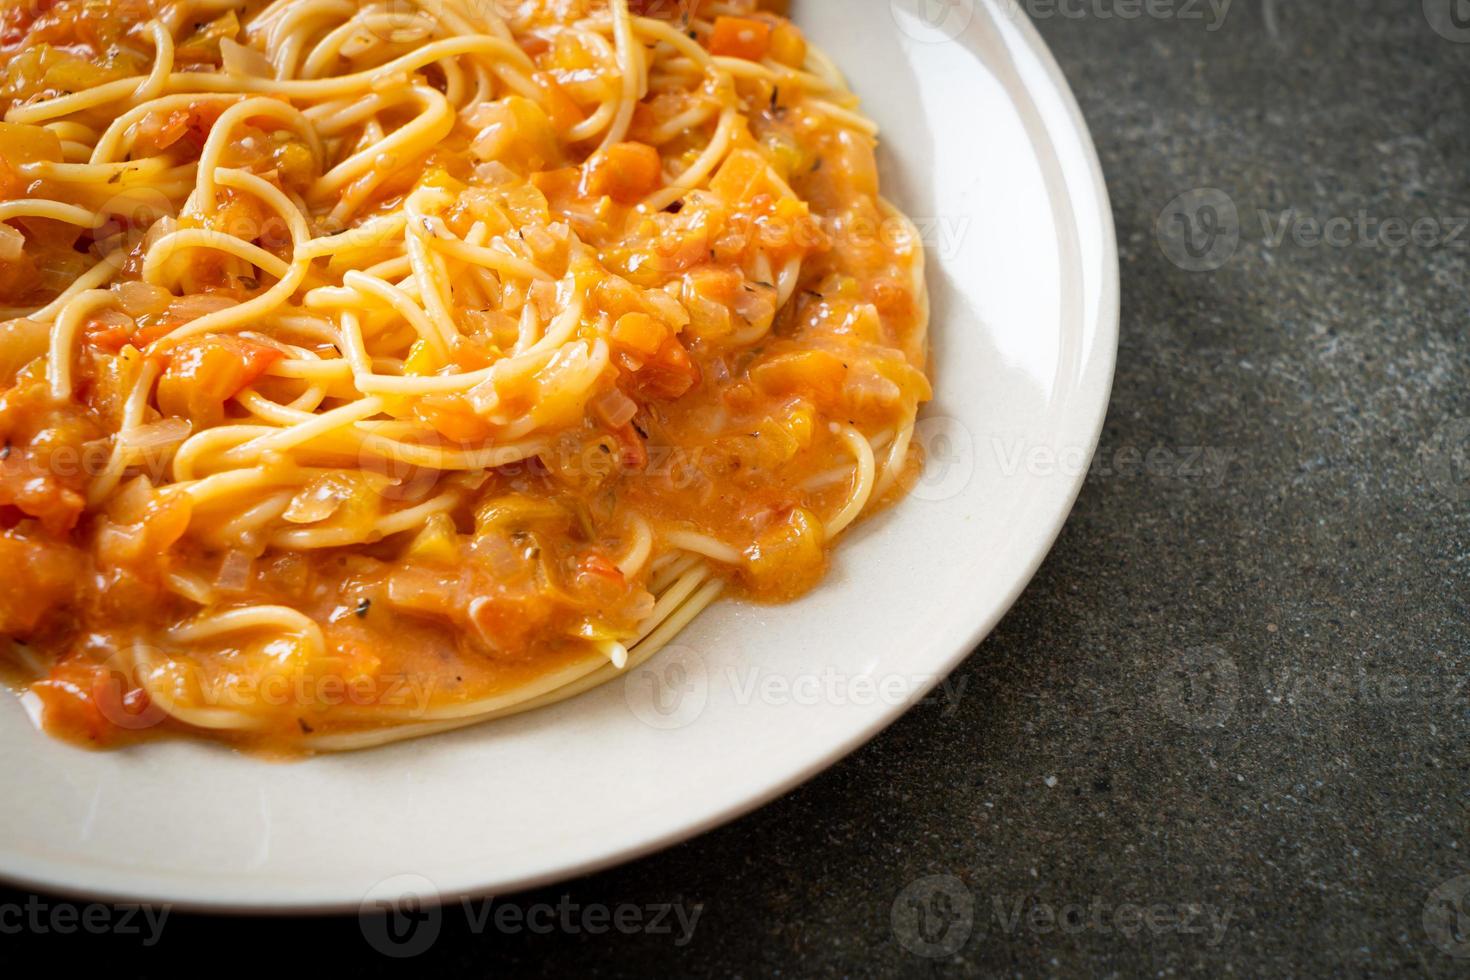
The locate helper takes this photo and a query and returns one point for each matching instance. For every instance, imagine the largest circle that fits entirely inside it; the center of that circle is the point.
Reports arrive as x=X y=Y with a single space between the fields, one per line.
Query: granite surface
x=1227 y=728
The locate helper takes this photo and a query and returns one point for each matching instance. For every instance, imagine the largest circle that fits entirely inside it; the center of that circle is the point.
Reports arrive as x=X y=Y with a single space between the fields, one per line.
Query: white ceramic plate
x=986 y=148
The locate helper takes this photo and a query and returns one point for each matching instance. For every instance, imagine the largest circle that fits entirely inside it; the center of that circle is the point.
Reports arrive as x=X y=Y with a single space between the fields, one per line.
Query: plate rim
x=162 y=888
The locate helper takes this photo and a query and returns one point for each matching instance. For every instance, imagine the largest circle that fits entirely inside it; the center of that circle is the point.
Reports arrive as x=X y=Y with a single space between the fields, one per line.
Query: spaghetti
x=370 y=370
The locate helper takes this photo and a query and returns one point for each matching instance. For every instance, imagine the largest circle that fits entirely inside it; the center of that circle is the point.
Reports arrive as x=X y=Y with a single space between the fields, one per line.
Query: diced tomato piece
x=93 y=704
x=28 y=483
x=814 y=373
x=788 y=557
x=109 y=331
x=521 y=133
x=108 y=338
x=744 y=176
x=788 y=46
x=68 y=711
x=639 y=333
x=205 y=372
x=740 y=37
x=633 y=454
x=670 y=373
x=560 y=186
x=22 y=143
x=647 y=8
x=597 y=564
x=48 y=456
x=505 y=622
x=453 y=418
x=11 y=182
x=559 y=107
x=144 y=336
x=893 y=297
x=625 y=172
x=161 y=129
x=470 y=354
x=37 y=577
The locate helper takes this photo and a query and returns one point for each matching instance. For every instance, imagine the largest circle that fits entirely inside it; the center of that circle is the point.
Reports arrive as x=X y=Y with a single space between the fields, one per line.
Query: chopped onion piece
x=12 y=243
x=138 y=298
x=317 y=502
x=494 y=173
x=161 y=436
x=614 y=408
x=109 y=320
x=234 y=571
x=196 y=305
x=240 y=60
x=641 y=607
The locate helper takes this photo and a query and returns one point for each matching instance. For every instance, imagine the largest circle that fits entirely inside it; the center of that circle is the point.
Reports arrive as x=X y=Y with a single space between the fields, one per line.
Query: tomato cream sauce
x=736 y=380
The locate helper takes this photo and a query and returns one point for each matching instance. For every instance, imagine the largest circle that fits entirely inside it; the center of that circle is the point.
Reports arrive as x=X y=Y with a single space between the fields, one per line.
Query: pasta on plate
x=370 y=369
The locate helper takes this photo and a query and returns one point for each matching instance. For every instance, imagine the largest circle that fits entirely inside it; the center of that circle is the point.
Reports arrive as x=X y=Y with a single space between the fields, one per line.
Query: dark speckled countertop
x=1227 y=728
